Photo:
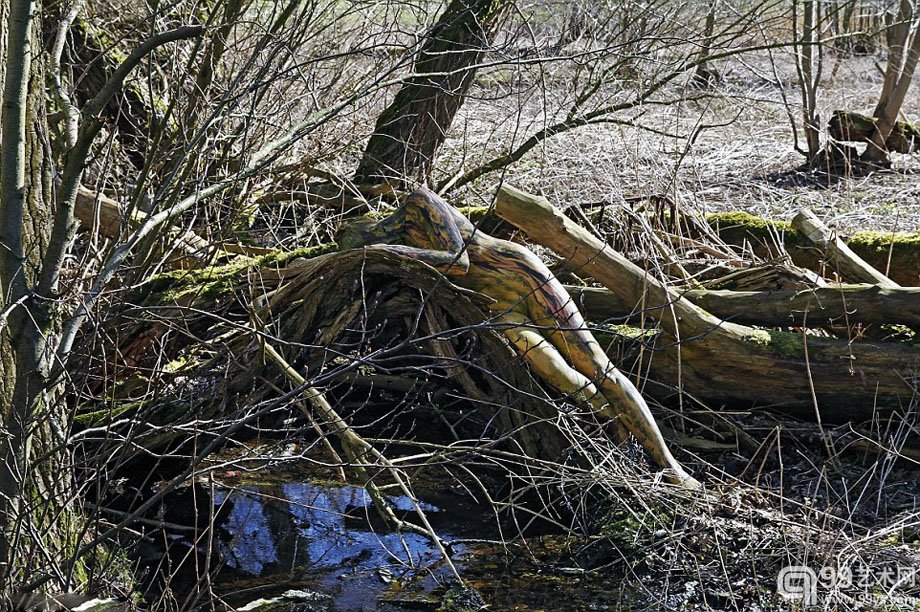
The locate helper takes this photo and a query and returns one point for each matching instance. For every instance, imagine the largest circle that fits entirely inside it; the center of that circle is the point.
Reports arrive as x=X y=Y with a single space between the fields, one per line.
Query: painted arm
x=423 y=228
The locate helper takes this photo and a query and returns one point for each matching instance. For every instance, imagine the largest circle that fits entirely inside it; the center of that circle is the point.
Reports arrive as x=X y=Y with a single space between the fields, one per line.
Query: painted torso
x=509 y=273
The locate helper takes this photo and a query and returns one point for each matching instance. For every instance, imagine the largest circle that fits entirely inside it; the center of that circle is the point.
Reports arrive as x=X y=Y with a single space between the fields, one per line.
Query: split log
x=854 y=127
x=842 y=259
x=896 y=252
x=97 y=212
x=721 y=361
x=869 y=304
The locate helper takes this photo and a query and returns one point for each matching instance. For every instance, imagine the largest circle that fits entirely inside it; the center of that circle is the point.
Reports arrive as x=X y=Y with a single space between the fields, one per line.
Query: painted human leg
x=554 y=313
x=550 y=366
x=618 y=401
x=626 y=405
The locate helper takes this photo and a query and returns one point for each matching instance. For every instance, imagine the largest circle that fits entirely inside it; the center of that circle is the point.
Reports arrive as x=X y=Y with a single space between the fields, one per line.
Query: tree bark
x=93 y=63
x=24 y=323
x=854 y=127
x=410 y=130
x=902 y=61
x=839 y=304
x=843 y=260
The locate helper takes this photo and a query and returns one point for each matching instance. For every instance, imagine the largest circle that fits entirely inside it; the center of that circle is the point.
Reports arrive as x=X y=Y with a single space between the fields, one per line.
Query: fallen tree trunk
x=854 y=127
x=895 y=253
x=97 y=212
x=838 y=304
x=709 y=358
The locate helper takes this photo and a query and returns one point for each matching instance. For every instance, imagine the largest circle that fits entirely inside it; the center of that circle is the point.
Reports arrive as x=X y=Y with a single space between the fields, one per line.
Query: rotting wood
x=896 y=252
x=531 y=307
x=848 y=126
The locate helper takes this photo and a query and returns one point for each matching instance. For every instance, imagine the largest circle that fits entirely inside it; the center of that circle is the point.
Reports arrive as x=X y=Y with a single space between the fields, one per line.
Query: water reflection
x=281 y=527
x=329 y=535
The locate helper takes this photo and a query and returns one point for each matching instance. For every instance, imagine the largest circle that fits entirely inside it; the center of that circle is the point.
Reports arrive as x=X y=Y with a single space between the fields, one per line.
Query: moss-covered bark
x=904 y=248
x=36 y=526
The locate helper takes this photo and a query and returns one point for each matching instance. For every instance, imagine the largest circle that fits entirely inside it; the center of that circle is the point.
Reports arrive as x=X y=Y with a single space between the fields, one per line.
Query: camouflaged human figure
x=532 y=308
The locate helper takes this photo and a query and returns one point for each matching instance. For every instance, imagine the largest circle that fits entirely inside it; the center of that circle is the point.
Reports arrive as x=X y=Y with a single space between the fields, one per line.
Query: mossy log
x=721 y=361
x=837 y=304
x=903 y=248
x=853 y=127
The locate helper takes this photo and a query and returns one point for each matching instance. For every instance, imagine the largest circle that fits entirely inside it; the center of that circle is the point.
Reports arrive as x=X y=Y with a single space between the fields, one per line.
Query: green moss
x=760 y=337
x=477 y=214
x=867 y=240
x=101 y=416
x=785 y=344
x=871 y=240
x=740 y=218
x=620 y=337
x=461 y=598
x=280 y=258
x=208 y=282
x=212 y=282
x=741 y=227
x=873 y=246
x=631 y=532
x=622 y=330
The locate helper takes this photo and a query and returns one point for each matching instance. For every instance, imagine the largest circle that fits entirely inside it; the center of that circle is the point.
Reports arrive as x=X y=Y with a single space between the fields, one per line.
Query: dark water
x=328 y=539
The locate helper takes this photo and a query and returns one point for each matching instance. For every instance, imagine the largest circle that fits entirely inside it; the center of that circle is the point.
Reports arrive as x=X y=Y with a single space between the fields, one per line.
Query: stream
x=328 y=538
x=294 y=539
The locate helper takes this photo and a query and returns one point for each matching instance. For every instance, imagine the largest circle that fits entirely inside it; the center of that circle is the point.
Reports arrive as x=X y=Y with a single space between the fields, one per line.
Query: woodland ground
x=746 y=161
x=867 y=503
x=726 y=556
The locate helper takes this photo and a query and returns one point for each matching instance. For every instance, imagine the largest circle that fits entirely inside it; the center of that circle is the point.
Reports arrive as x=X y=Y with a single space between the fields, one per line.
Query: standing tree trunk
x=903 y=52
x=705 y=75
x=809 y=69
x=25 y=221
x=410 y=130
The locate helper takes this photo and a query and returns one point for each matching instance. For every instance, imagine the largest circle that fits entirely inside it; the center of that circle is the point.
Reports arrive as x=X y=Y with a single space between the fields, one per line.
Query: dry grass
x=746 y=162
x=788 y=503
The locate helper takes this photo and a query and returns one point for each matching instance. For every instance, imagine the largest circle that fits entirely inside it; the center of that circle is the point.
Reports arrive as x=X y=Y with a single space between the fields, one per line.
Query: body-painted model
x=536 y=313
